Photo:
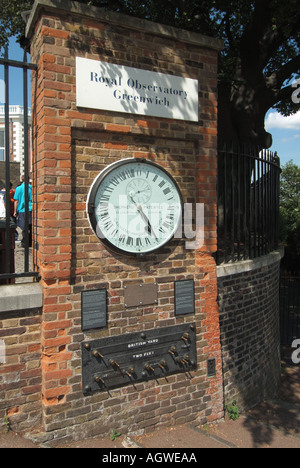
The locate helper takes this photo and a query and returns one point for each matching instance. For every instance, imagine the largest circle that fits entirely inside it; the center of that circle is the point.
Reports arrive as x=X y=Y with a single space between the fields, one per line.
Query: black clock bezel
x=91 y=204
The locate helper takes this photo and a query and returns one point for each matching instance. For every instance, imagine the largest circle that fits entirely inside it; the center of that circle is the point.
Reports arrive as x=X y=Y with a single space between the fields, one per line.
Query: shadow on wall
x=250 y=338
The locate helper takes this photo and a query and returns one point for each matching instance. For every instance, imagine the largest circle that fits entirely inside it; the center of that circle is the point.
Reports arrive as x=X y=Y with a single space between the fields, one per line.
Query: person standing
x=19 y=211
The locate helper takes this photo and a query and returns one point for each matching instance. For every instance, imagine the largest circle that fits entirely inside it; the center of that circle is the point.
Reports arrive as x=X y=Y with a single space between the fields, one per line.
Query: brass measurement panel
x=135 y=357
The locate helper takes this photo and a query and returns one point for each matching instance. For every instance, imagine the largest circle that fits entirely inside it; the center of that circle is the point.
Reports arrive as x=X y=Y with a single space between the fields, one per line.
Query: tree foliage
x=261 y=54
x=11 y=21
x=290 y=207
x=259 y=62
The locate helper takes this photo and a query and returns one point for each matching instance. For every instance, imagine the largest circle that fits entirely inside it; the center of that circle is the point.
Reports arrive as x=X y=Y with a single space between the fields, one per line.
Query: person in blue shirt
x=19 y=199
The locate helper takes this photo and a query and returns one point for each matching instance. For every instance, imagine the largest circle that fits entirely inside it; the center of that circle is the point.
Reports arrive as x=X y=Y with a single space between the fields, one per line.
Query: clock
x=134 y=206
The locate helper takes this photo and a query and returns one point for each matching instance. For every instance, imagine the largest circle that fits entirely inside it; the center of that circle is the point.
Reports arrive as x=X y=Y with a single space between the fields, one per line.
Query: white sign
x=105 y=86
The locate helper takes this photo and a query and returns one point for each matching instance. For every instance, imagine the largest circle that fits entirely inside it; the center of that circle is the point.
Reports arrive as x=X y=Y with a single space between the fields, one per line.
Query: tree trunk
x=242 y=113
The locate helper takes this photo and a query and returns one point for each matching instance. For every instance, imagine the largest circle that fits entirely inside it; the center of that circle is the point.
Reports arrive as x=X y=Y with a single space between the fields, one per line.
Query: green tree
x=290 y=208
x=258 y=65
x=11 y=21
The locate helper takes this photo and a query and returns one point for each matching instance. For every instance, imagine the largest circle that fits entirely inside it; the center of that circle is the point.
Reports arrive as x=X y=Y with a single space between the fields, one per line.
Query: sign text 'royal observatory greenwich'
x=105 y=86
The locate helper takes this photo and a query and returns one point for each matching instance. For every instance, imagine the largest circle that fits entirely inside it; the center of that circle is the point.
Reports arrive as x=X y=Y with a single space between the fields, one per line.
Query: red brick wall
x=71 y=146
x=20 y=369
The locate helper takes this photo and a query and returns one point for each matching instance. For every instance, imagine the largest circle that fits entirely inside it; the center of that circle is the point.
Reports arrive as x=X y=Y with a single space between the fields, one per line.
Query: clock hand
x=141 y=212
x=131 y=195
x=150 y=229
x=141 y=191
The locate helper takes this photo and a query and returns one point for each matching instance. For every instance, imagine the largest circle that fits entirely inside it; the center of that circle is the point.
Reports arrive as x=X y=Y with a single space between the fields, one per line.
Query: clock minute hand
x=141 y=212
x=150 y=229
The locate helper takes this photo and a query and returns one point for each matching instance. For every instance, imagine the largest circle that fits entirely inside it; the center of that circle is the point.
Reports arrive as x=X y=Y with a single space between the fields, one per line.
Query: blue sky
x=285 y=130
x=286 y=136
x=15 y=76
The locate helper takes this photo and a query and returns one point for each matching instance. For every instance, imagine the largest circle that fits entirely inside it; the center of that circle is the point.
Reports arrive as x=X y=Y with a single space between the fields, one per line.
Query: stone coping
x=20 y=297
x=126 y=21
x=237 y=268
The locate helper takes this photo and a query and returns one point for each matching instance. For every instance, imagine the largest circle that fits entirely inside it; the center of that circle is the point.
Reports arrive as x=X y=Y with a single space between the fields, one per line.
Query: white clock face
x=134 y=206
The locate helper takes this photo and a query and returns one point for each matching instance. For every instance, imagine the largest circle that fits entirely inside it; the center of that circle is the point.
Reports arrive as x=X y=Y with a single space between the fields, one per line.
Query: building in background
x=16 y=135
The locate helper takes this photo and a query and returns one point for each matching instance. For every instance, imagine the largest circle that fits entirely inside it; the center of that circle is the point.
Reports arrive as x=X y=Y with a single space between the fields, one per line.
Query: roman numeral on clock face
x=136 y=206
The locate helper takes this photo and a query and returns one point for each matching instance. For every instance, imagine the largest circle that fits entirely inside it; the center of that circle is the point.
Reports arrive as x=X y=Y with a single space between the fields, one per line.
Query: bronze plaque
x=140 y=294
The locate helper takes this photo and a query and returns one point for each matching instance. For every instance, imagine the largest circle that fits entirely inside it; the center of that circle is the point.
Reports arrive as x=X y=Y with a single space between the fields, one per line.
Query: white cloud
x=276 y=120
x=293 y=138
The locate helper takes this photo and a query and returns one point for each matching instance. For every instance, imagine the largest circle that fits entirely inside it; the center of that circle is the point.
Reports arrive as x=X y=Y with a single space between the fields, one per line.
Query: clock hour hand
x=131 y=195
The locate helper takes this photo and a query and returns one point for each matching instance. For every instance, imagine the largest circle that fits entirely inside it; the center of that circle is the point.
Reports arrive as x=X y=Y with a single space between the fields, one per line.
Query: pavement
x=272 y=424
x=19 y=260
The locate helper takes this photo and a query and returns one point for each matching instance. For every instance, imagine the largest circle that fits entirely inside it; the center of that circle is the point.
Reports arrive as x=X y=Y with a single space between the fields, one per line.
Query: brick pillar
x=52 y=97
x=72 y=145
x=206 y=186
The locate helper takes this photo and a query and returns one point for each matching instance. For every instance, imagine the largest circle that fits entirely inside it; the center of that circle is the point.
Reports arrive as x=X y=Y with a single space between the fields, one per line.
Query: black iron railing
x=248 y=202
x=7 y=260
